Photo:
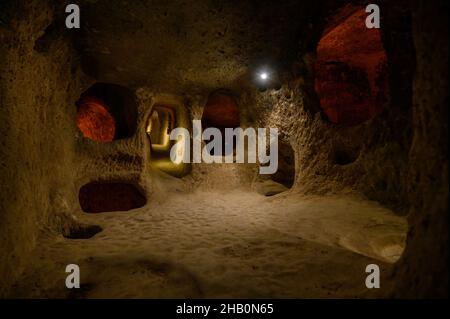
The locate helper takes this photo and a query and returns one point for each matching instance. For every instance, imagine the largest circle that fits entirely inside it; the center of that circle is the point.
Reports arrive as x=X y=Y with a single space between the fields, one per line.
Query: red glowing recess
x=221 y=111
x=94 y=120
x=350 y=71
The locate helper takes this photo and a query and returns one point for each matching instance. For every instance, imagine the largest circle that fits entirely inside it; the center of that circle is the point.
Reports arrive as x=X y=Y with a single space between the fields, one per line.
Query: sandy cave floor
x=224 y=245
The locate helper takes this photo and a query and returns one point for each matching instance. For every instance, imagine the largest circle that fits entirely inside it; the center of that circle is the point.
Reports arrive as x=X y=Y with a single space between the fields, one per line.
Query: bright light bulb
x=263 y=76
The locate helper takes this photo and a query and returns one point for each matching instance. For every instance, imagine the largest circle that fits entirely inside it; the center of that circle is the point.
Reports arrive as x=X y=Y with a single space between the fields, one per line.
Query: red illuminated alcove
x=221 y=112
x=107 y=112
x=94 y=120
x=351 y=69
x=96 y=197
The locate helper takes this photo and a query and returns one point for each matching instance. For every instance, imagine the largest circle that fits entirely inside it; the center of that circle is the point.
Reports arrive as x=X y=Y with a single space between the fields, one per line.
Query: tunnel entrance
x=351 y=76
x=107 y=112
x=107 y=196
x=159 y=125
x=221 y=112
x=162 y=120
x=285 y=174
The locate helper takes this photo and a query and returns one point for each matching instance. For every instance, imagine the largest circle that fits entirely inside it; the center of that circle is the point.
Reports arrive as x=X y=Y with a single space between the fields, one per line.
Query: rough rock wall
x=37 y=89
x=423 y=269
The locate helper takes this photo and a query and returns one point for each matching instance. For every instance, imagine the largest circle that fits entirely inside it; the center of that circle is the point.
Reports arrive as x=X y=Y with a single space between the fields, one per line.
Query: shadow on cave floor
x=236 y=244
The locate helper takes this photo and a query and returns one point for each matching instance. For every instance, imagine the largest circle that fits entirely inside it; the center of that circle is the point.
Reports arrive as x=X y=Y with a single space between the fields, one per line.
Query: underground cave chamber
x=362 y=159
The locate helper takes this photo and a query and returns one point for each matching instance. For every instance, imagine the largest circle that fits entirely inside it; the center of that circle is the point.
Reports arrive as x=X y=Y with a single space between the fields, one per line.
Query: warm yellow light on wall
x=161 y=121
x=159 y=125
x=180 y=149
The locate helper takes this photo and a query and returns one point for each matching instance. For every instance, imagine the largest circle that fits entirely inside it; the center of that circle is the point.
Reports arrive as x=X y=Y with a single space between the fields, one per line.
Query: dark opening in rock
x=82 y=231
x=107 y=112
x=221 y=112
x=351 y=80
x=285 y=174
x=96 y=197
x=343 y=156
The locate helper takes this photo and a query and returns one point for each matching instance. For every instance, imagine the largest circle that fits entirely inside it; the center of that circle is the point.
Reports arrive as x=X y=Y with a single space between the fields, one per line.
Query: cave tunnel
x=162 y=119
x=159 y=125
x=352 y=119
